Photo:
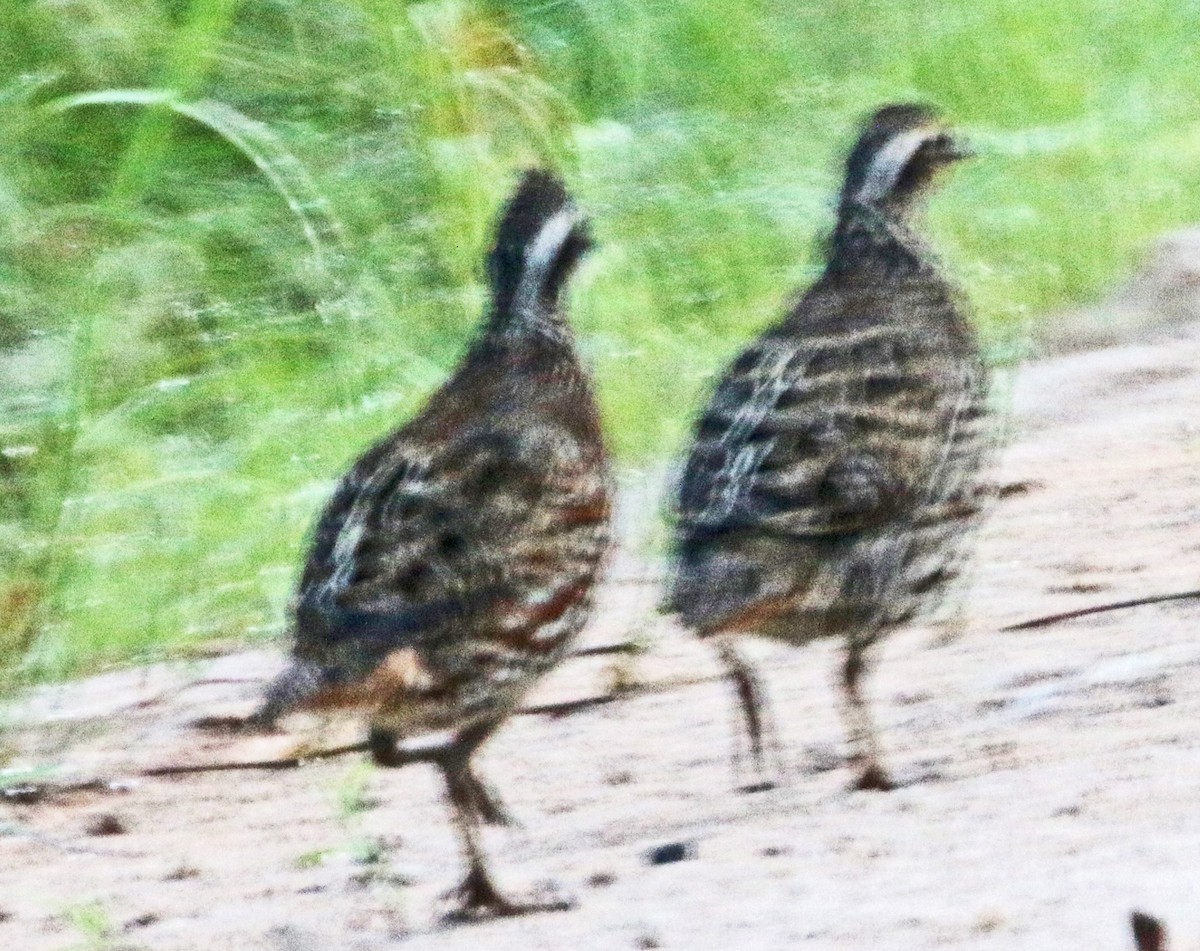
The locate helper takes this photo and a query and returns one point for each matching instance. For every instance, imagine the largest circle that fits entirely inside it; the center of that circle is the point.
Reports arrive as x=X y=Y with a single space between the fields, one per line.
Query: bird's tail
x=298 y=683
x=540 y=239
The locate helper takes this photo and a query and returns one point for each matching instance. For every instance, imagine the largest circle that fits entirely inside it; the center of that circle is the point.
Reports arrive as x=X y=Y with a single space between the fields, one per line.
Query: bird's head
x=540 y=239
x=898 y=157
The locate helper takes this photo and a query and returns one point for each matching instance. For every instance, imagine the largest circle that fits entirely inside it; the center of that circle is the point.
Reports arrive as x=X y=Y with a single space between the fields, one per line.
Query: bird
x=833 y=477
x=457 y=558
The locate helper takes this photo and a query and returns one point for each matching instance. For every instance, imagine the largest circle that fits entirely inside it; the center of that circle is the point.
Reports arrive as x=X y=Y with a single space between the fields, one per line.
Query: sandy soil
x=1053 y=773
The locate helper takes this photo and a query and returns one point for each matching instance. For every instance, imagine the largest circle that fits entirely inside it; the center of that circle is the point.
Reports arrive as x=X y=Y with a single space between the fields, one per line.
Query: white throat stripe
x=541 y=255
x=889 y=162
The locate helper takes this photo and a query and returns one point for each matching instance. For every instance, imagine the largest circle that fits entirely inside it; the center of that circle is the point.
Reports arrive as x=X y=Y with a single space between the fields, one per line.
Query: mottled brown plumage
x=833 y=473
x=457 y=558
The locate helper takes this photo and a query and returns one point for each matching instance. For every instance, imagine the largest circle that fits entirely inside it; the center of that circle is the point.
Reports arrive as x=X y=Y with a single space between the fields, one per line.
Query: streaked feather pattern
x=852 y=427
x=473 y=535
x=833 y=475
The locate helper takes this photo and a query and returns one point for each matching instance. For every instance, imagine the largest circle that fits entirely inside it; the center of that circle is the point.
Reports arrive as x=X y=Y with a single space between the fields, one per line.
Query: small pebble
x=671 y=852
x=106 y=824
x=141 y=921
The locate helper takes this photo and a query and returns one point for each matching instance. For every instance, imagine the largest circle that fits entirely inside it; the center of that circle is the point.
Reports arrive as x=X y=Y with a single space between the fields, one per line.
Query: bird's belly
x=465 y=687
x=855 y=588
x=453 y=706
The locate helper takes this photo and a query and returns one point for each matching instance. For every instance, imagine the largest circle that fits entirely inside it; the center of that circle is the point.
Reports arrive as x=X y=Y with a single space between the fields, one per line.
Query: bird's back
x=456 y=558
x=833 y=469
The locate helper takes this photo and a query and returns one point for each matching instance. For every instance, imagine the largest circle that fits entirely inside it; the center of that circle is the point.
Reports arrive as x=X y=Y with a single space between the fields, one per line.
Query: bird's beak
x=953 y=148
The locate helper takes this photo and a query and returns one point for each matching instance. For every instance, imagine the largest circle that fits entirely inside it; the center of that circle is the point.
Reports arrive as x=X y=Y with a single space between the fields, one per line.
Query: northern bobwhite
x=456 y=559
x=833 y=473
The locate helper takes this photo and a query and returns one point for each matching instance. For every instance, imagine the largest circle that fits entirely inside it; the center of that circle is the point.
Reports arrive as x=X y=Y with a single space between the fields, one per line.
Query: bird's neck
x=540 y=327
x=533 y=345
x=870 y=236
x=528 y=362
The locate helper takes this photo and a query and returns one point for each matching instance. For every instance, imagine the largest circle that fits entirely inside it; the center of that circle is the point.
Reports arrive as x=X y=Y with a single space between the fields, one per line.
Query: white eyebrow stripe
x=889 y=162
x=540 y=257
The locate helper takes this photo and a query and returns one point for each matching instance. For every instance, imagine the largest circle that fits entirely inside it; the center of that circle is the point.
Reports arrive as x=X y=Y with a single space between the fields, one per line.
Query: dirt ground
x=1052 y=774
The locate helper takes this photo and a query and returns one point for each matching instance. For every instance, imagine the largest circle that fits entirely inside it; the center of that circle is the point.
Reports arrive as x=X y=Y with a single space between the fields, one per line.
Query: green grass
x=239 y=239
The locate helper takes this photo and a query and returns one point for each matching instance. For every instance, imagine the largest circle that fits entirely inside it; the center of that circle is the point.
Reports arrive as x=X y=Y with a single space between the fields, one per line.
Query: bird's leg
x=385 y=751
x=864 y=744
x=478 y=896
x=754 y=705
x=485 y=803
x=471 y=802
x=482 y=800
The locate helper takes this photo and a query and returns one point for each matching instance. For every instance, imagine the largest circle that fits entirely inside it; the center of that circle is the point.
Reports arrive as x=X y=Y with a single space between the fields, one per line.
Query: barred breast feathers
x=838 y=423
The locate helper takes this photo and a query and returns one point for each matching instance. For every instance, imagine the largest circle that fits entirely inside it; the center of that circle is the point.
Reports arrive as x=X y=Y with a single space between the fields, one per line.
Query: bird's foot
x=477 y=899
x=757 y=780
x=874 y=778
x=763 y=773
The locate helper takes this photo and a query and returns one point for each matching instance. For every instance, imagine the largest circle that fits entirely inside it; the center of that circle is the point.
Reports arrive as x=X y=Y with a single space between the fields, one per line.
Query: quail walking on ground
x=456 y=559
x=833 y=473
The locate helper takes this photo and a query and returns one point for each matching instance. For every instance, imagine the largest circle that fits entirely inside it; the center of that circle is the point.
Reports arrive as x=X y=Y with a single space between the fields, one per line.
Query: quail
x=834 y=473
x=456 y=559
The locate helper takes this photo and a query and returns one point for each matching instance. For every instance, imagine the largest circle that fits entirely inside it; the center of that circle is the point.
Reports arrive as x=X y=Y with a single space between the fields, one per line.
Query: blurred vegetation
x=240 y=239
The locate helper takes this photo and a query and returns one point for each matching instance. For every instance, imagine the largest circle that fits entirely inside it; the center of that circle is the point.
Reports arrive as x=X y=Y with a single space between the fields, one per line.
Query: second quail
x=833 y=476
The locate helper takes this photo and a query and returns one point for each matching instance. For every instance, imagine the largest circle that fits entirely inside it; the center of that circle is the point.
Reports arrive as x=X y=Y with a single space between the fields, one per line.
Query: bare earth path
x=1055 y=773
